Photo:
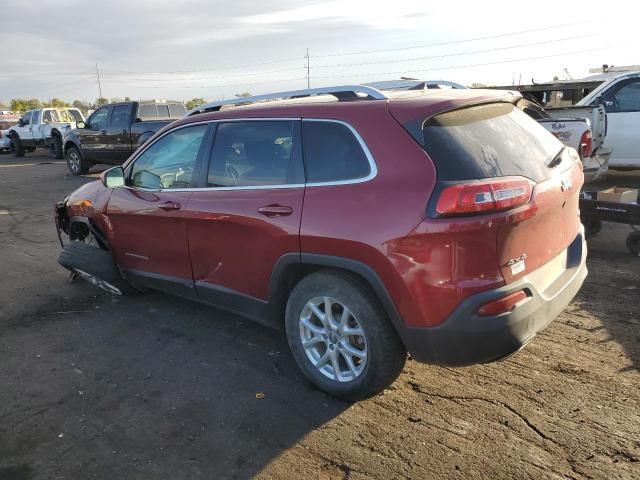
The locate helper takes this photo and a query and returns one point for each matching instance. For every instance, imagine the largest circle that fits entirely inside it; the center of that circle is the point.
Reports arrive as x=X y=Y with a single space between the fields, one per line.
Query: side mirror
x=113 y=178
x=21 y=123
x=81 y=124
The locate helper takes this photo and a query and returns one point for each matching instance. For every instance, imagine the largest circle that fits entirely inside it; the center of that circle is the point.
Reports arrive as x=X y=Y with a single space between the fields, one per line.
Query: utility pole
x=99 y=86
x=308 y=66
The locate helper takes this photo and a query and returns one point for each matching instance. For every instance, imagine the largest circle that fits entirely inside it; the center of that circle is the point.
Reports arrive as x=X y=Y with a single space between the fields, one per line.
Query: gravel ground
x=151 y=387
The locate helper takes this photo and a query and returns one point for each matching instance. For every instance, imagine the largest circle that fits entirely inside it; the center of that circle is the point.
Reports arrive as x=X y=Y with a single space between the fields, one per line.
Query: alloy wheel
x=74 y=161
x=333 y=339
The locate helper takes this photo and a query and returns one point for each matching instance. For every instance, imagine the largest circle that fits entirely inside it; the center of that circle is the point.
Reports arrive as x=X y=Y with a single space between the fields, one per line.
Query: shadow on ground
x=148 y=387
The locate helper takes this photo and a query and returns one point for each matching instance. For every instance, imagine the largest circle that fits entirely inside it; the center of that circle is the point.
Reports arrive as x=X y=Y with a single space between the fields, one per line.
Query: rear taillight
x=0 y=133
x=482 y=196
x=586 y=144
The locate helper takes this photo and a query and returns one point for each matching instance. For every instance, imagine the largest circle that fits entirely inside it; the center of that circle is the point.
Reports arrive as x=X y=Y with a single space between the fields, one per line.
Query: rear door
x=148 y=214
x=247 y=215
x=118 y=138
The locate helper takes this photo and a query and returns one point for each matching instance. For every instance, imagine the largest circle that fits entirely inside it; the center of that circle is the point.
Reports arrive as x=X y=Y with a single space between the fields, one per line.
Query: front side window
x=253 y=153
x=332 y=152
x=169 y=162
x=35 y=117
x=98 y=120
x=27 y=118
x=625 y=99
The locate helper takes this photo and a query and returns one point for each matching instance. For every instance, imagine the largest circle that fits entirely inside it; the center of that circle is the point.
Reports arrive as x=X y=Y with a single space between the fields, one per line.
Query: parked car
x=6 y=122
x=621 y=99
x=582 y=128
x=113 y=132
x=42 y=128
x=443 y=222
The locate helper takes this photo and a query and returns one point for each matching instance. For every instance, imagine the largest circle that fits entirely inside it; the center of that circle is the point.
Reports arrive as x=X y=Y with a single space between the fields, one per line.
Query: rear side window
x=120 y=117
x=332 y=152
x=487 y=141
x=147 y=110
x=254 y=153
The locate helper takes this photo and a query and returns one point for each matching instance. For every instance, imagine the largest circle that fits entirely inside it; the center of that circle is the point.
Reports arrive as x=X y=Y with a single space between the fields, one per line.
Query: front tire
x=75 y=163
x=96 y=266
x=340 y=336
x=16 y=147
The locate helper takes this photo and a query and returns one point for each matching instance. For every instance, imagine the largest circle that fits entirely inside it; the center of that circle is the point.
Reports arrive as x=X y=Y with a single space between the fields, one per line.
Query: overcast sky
x=182 y=49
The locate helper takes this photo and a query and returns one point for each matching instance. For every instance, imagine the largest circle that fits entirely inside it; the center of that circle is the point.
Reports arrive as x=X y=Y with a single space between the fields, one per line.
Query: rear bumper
x=467 y=338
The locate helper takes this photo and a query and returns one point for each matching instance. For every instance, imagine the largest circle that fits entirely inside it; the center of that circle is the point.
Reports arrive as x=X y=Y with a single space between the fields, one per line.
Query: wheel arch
x=293 y=267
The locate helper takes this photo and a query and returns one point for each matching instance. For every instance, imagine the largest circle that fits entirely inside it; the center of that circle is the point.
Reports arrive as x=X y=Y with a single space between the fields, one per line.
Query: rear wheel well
x=294 y=273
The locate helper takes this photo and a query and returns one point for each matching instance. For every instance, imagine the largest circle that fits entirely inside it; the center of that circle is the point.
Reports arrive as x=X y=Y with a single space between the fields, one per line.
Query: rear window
x=177 y=110
x=484 y=141
x=147 y=110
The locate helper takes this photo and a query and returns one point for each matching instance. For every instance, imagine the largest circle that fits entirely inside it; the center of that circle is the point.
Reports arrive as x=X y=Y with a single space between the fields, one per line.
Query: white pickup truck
x=583 y=128
x=621 y=99
x=44 y=128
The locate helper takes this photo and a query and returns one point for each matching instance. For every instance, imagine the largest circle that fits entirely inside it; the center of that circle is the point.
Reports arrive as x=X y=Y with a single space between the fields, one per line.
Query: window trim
x=203 y=155
x=373 y=168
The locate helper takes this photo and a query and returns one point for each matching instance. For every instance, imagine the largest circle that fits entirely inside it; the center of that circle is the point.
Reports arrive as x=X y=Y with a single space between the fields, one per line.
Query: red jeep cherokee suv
x=366 y=224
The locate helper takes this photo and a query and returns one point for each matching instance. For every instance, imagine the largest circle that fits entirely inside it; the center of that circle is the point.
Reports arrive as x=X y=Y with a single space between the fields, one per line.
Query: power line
x=452 y=42
x=452 y=67
x=471 y=52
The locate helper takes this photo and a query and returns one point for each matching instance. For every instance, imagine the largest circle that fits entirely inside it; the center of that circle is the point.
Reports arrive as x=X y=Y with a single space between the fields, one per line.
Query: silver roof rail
x=405 y=84
x=344 y=92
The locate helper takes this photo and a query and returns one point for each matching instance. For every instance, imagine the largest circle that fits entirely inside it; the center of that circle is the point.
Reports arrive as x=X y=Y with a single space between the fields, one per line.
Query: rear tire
x=633 y=243
x=56 y=147
x=16 y=147
x=76 y=164
x=592 y=227
x=366 y=330
x=95 y=266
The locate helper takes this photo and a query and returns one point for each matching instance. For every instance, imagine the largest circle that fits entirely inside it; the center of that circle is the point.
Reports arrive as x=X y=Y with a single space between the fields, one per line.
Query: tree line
x=20 y=105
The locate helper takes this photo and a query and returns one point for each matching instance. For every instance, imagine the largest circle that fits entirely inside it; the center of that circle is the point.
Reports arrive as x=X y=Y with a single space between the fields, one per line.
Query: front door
x=94 y=134
x=622 y=103
x=248 y=214
x=147 y=215
x=25 y=131
x=118 y=138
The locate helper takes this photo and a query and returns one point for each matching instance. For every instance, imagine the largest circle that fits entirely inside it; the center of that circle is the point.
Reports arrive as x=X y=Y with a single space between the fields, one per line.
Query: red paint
x=233 y=238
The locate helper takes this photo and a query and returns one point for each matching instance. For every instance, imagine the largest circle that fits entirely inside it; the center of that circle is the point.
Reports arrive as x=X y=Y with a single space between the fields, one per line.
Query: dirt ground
x=155 y=387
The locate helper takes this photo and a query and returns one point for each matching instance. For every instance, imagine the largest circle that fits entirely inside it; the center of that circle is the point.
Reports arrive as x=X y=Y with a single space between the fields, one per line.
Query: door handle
x=167 y=206
x=103 y=132
x=275 y=211
x=124 y=131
